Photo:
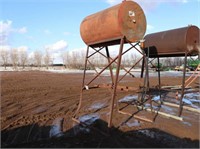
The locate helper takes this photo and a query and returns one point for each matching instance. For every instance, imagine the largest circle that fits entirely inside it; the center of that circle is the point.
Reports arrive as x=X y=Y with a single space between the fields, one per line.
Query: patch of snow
x=56 y=130
x=187 y=123
x=96 y=106
x=187 y=101
x=148 y=105
x=89 y=119
x=77 y=129
x=194 y=106
x=135 y=123
x=194 y=100
x=129 y=98
x=168 y=109
x=65 y=71
x=148 y=133
x=156 y=98
x=193 y=96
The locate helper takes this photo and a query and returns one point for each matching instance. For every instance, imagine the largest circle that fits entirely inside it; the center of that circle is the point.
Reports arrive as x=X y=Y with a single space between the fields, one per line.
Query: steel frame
x=159 y=80
x=114 y=78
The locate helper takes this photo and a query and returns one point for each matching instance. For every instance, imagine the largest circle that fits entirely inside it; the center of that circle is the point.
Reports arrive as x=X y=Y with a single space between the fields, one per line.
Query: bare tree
x=81 y=59
x=38 y=58
x=14 y=55
x=23 y=57
x=47 y=58
x=4 y=57
x=66 y=58
x=133 y=59
x=178 y=61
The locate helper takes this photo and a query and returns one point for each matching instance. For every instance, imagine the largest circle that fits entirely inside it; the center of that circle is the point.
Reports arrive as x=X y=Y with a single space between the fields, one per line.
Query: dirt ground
x=37 y=109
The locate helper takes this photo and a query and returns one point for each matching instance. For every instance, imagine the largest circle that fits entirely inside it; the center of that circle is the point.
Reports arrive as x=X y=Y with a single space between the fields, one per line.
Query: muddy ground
x=37 y=109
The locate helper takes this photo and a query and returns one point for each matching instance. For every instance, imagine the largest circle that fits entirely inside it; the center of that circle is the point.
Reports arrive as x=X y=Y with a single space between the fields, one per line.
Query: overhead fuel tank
x=110 y=25
x=175 y=42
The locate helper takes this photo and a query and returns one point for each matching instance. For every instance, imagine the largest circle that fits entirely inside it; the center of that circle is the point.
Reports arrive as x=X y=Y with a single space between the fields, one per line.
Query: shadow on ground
x=97 y=135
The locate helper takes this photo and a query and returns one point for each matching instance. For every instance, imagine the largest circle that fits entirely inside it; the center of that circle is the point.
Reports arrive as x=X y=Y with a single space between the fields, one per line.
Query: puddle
x=56 y=128
x=129 y=98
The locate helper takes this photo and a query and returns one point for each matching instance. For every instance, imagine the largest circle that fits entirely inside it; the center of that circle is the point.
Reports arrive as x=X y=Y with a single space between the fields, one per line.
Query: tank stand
x=115 y=78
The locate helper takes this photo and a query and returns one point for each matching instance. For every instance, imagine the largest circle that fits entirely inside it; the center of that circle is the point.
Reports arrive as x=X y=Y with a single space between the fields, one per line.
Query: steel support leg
x=110 y=67
x=142 y=69
x=159 y=81
x=115 y=83
x=146 y=78
x=183 y=86
x=83 y=82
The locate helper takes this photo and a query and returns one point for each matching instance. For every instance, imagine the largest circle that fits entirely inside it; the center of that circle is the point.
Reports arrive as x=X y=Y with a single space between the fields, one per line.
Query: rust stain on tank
x=123 y=20
x=174 y=42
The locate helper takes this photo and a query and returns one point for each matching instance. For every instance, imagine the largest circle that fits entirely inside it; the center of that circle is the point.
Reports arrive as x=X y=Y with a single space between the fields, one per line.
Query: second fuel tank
x=175 y=42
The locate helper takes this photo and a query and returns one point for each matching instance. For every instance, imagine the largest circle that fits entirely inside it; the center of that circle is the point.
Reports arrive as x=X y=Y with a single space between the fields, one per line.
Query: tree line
x=71 y=59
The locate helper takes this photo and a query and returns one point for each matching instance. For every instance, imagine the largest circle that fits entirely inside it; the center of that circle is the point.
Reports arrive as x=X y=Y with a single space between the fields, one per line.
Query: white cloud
x=113 y=2
x=5 y=48
x=56 y=49
x=150 y=27
x=58 y=46
x=22 y=48
x=6 y=28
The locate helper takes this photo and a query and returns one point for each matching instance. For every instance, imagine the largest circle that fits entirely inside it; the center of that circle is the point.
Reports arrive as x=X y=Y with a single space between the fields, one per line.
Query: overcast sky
x=54 y=24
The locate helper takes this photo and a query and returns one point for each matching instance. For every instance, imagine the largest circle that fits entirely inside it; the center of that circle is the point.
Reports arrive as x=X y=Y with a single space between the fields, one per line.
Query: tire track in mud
x=32 y=119
x=14 y=114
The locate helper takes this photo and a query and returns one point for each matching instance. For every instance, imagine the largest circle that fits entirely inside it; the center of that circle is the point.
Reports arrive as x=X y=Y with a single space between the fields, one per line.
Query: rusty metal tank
x=174 y=42
x=110 y=25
